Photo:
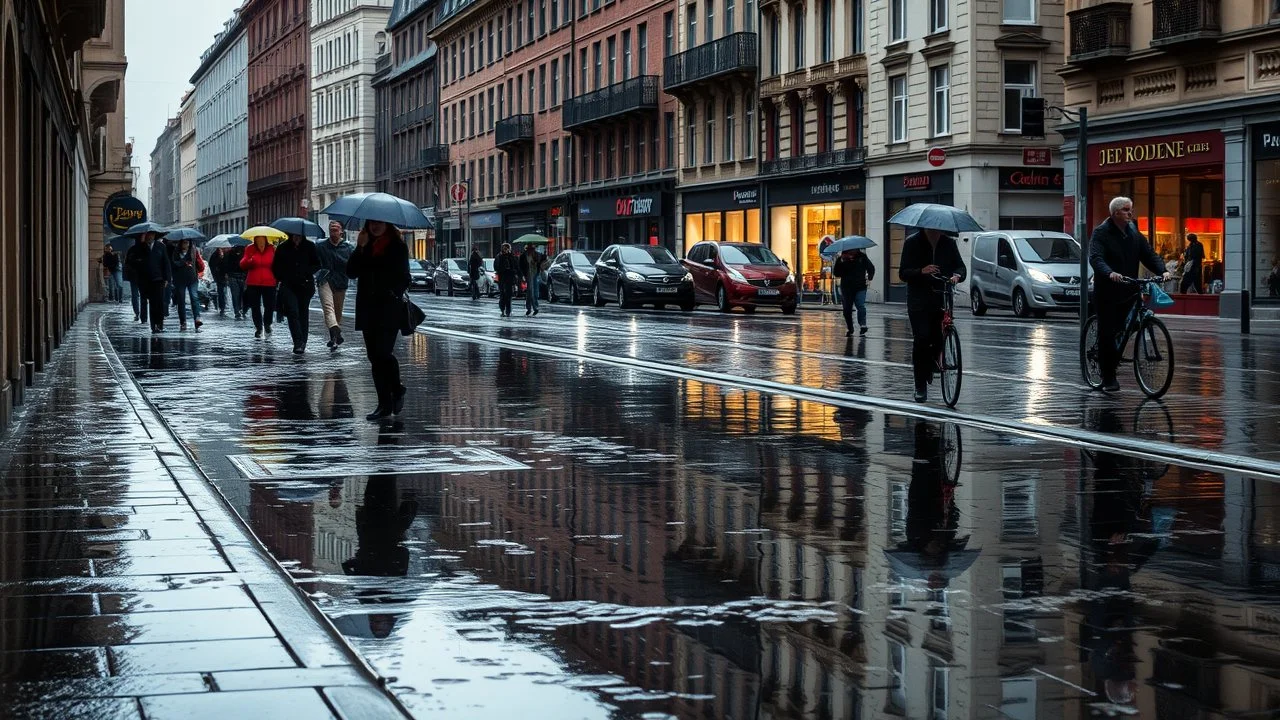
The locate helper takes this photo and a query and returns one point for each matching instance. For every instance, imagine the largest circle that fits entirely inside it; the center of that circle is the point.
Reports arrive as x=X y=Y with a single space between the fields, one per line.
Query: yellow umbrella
x=269 y=233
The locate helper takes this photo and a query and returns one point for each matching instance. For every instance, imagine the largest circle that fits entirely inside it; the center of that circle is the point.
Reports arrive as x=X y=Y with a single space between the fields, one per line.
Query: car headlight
x=735 y=274
x=790 y=279
x=581 y=275
x=688 y=277
x=1040 y=275
x=459 y=278
x=634 y=276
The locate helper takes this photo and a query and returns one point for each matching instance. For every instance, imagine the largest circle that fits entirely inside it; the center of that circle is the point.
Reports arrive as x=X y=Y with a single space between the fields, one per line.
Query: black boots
x=388 y=406
x=335 y=337
x=397 y=403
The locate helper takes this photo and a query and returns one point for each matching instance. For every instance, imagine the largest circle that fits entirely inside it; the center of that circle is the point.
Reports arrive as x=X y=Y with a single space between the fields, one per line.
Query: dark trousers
x=926 y=328
x=139 y=298
x=380 y=348
x=1192 y=277
x=220 y=299
x=849 y=298
x=295 y=302
x=475 y=288
x=1111 y=317
x=154 y=294
x=505 y=291
x=262 y=301
x=236 y=284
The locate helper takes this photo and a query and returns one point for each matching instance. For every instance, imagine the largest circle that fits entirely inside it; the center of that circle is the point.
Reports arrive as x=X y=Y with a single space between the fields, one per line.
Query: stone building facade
x=222 y=132
x=165 y=204
x=187 y=215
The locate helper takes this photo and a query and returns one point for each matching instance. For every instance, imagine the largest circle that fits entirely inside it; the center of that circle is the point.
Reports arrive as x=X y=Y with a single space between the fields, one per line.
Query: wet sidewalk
x=128 y=588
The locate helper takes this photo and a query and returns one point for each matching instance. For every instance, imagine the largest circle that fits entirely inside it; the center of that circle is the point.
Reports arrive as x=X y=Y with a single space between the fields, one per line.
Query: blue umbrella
x=122 y=243
x=377 y=206
x=176 y=234
x=298 y=226
x=936 y=217
x=146 y=227
x=852 y=242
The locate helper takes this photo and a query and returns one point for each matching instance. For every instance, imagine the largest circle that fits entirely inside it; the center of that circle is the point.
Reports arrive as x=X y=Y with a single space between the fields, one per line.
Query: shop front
x=486 y=231
x=1031 y=198
x=899 y=192
x=1176 y=183
x=805 y=212
x=1266 y=212
x=724 y=215
x=641 y=218
x=546 y=218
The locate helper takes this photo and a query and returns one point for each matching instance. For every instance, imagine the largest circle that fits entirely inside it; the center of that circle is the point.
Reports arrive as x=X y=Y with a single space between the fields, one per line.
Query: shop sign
x=730 y=199
x=1266 y=141
x=845 y=186
x=1147 y=154
x=748 y=197
x=623 y=207
x=938 y=182
x=1020 y=178
x=486 y=220
x=122 y=212
x=1037 y=156
x=916 y=182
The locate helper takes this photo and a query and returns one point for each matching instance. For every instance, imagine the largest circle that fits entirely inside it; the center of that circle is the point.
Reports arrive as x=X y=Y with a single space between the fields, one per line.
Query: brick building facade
x=279 y=92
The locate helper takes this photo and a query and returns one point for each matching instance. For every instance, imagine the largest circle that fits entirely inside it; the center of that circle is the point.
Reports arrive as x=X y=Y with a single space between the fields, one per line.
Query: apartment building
x=165 y=202
x=1183 y=97
x=279 y=103
x=345 y=35
x=187 y=215
x=222 y=132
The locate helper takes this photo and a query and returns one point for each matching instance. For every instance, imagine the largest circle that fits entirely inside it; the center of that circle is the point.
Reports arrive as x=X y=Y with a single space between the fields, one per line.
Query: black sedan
x=452 y=277
x=634 y=275
x=571 y=274
x=421 y=273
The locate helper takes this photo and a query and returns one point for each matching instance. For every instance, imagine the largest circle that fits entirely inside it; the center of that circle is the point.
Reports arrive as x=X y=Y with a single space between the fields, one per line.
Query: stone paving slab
x=128 y=588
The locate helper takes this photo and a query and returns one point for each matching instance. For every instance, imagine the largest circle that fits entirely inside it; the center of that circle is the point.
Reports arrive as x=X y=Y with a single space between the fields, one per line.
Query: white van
x=1029 y=271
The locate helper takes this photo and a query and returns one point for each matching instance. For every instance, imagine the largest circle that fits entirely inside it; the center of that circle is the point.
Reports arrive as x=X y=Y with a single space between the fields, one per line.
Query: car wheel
x=437 y=292
x=596 y=296
x=574 y=299
x=975 y=303
x=1020 y=307
x=623 y=302
x=450 y=289
x=722 y=299
x=551 y=293
x=788 y=309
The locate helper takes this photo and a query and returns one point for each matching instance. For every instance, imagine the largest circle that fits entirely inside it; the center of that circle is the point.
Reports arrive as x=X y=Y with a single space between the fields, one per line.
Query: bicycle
x=950 y=365
x=1153 y=363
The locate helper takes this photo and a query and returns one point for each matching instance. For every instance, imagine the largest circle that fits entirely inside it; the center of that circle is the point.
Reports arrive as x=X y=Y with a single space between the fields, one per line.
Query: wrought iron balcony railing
x=1100 y=31
x=513 y=130
x=1179 y=21
x=736 y=53
x=638 y=93
x=823 y=160
x=434 y=156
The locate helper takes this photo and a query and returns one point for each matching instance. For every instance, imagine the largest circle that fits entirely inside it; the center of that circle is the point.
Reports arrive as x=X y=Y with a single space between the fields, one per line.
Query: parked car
x=571 y=275
x=419 y=276
x=451 y=276
x=633 y=275
x=746 y=275
x=489 y=279
x=1029 y=271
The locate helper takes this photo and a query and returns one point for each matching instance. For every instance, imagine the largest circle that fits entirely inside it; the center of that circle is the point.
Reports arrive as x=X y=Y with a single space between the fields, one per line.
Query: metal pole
x=470 y=246
x=1082 y=213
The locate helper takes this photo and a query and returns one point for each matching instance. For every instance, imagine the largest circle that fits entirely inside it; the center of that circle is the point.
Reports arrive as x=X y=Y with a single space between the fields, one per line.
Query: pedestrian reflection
x=294 y=398
x=934 y=550
x=335 y=402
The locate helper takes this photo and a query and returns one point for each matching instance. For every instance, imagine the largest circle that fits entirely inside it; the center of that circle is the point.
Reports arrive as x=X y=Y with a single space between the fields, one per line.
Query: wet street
x=548 y=532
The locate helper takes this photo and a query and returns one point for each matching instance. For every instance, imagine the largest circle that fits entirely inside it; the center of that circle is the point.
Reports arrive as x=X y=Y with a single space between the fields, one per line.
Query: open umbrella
x=176 y=234
x=531 y=239
x=298 y=226
x=949 y=565
x=381 y=207
x=852 y=242
x=936 y=217
x=266 y=231
x=122 y=243
x=143 y=228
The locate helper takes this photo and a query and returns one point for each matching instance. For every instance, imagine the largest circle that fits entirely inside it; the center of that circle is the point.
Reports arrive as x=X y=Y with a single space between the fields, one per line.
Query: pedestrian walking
x=531 y=269
x=1115 y=250
x=168 y=300
x=332 y=281
x=507 y=268
x=111 y=275
x=188 y=265
x=854 y=270
x=260 y=283
x=295 y=265
x=236 y=280
x=218 y=269
x=475 y=266
x=153 y=271
x=380 y=265
x=1192 y=265
x=926 y=255
x=136 y=296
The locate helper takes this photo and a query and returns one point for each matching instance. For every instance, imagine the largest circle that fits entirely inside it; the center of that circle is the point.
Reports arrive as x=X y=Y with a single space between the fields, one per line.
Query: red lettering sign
x=1157 y=153
x=916 y=182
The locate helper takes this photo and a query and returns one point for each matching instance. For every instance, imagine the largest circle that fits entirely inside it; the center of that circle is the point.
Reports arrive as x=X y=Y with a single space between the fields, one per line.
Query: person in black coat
x=855 y=270
x=295 y=265
x=153 y=271
x=507 y=267
x=380 y=263
x=1115 y=249
x=139 y=299
x=475 y=266
x=1192 y=265
x=927 y=253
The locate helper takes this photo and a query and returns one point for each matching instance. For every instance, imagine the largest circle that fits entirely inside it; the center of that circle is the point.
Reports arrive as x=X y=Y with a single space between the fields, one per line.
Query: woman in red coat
x=260 y=284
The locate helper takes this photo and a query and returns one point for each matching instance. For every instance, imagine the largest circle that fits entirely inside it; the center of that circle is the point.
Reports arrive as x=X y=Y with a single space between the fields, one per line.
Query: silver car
x=1028 y=271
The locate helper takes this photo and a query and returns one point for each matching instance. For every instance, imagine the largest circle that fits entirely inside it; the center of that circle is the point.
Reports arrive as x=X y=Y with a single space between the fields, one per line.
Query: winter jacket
x=111 y=262
x=150 y=265
x=333 y=264
x=1112 y=249
x=231 y=261
x=475 y=266
x=295 y=264
x=917 y=253
x=384 y=279
x=257 y=263
x=854 y=273
x=507 y=268
x=185 y=267
x=531 y=263
x=218 y=266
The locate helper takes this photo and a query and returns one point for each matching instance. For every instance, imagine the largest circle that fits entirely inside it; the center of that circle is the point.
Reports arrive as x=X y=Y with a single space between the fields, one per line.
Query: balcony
x=1177 y=22
x=1099 y=32
x=734 y=54
x=288 y=177
x=846 y=68
x=434 y=156
x=408 y=119
x=512 y=131
x=614 y=101
x=821 y=161
x=382 y=64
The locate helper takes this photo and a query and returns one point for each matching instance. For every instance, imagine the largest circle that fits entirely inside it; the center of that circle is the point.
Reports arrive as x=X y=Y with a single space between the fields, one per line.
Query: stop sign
x=937 y=156
x=458 y=192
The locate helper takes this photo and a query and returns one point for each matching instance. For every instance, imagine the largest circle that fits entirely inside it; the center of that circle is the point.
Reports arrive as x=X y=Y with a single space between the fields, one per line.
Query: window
x=542 y=165
x=555 y=162
x=542 y=18
x=897 y=20
x=797 y=130
x=897 y=676
x=542 y=86
x=530 y=97
x=626 y=54
x=599 y=164
x=828 y=31
x=582 y=71
x=568 y=73
x=528 y=38
x=520 y=95
x=827 y=139
x=728 y=17
x=709 y=29
x=598 y=56
x=1019 y=82
x=642 y=41
x=555 y=83
x=797 y=24
x=691 y=25
x=857 y=27
x=668 y=35
x=640 y=145
x=555 y=14
x=690 y=138
x=728 y=153
x=750 y=132
x=624 y=157
x=775 y=44
x=669 y=121
x=613 y=60
x=480 y=36
x=1024 y=11
x=937 y=15
x=610 y=153
x=708 y=141
x=898 y=108
x=940 y=100
x=749 y=17
x=938 y=692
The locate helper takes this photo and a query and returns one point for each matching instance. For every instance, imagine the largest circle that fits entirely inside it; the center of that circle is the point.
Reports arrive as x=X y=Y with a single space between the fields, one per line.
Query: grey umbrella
x=122 y=243
x=950 y=564
x=143 y=228
x=381 y=207
x=852 y=242
x=936 y=217
x=195 y=236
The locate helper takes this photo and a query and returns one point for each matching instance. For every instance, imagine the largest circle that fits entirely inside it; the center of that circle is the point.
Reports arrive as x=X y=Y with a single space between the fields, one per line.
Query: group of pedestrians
x=511 y=269
x=160 y=275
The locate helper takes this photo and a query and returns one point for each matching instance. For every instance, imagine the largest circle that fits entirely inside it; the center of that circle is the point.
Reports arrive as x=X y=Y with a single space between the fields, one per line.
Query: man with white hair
x=1115 y=250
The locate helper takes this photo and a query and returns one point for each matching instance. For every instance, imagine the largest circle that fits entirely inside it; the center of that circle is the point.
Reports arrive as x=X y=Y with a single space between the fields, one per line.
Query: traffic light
x=1033 y=117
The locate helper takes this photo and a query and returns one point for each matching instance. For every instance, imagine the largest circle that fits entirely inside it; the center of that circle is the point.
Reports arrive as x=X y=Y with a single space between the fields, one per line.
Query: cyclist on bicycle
x=926 y=253
x=1115 y=249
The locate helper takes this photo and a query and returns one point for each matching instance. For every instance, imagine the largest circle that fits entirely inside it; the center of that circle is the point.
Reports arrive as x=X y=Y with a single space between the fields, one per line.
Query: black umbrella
x=121 y=244
x=143 y=228
x=195 y=236
x=298 y=226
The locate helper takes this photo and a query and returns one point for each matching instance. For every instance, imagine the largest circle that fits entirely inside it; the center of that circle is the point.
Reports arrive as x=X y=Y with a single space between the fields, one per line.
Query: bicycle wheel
x=1089 y=364
x=952 y=452
x=951 y=366
x=1153 y=357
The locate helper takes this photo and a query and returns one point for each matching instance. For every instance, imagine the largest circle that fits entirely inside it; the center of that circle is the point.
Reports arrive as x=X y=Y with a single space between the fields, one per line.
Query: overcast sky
x=163 y=42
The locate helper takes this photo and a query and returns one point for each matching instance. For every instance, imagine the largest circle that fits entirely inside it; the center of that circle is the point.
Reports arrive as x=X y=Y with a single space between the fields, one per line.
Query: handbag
x=1160 y=298
x=413 y=316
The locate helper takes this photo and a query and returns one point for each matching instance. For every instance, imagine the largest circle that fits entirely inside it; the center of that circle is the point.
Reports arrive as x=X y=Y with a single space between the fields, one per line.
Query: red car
x=746 y=275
